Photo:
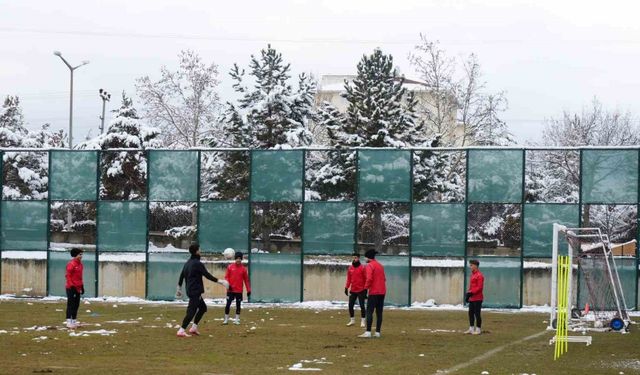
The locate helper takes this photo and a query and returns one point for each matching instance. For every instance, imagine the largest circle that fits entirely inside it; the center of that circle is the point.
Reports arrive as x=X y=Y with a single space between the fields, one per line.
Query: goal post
x=589 y=253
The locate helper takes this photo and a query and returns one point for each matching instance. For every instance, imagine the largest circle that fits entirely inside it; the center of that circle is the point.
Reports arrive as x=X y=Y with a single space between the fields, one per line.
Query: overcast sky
x=548 y=56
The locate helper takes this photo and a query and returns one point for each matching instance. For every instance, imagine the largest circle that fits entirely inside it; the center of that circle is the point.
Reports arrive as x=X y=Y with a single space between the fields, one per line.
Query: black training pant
x=474 y=313
x=352 y=301
x=230 y=297
x=375 y=302
x=196 y=308
x=73 y=303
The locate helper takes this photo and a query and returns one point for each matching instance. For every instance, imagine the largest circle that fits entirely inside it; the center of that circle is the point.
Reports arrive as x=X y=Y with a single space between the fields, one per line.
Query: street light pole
x=71 y=69
x=105 y=96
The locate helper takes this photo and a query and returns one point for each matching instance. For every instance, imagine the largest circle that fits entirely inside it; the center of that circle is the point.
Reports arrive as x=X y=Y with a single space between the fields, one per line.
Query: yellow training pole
x=561 y=341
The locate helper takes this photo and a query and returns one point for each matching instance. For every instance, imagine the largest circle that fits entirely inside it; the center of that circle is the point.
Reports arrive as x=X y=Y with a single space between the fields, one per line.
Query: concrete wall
x=27 y=277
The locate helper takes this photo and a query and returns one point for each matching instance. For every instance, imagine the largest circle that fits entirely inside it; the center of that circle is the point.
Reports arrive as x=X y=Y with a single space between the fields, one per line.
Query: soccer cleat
x=469 y=331
x=366 y=335
x=352 y=321
x=194 y=331
x=477 y=331
x=182 y=333
x=377 y=335
x=363 y=322
x=236 y=322
x=225 y=322
x=71 y=326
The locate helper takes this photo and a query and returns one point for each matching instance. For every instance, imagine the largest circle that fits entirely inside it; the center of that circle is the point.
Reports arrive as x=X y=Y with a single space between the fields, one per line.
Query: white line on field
x=486 y=355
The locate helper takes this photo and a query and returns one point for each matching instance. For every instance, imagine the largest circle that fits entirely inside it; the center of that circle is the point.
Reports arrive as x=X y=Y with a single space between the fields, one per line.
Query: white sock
x=237 y=316
x=68 y=321
x=73 y=321
x=226 y=317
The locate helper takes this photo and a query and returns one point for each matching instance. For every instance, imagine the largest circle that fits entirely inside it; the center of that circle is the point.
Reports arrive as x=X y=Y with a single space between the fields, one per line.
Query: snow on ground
x=300 y=365
x=101 y=332
x=309 y=305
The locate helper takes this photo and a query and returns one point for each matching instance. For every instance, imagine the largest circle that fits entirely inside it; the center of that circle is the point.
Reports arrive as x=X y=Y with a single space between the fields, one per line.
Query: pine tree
x=380 y=113
x=270 y=114
x=25 y=174
x=123 y=173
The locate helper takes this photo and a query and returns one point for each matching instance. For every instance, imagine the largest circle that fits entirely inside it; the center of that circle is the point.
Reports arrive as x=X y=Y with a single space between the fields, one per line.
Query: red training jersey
x=74 y=275
x=236 y=275
x=476 y=286
x=376 y=280
x=356 y=277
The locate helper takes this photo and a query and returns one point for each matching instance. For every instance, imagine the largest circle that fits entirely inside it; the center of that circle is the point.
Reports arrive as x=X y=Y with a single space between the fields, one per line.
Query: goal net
x=601 y=302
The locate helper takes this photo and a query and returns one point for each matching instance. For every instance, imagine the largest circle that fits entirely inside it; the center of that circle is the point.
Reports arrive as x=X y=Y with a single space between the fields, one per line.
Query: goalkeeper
x=192 y=272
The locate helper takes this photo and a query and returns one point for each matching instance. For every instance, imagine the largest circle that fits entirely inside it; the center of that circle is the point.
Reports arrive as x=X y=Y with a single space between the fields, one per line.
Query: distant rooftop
x=335 y=82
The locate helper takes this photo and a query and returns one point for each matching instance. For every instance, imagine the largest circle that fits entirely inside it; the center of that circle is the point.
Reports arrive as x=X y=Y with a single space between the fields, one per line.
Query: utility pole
x=105 y=96
x=71 y=69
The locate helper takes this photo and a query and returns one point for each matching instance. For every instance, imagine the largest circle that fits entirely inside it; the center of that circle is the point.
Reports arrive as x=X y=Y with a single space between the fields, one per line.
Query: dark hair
x=474 y=261
x=355 y=254
x=238 y=255
x=370 y=254
x=193 y=248
x=75 y=251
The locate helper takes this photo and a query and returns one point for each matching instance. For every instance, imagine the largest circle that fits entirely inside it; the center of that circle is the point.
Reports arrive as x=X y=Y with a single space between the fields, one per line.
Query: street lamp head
x=57 y=53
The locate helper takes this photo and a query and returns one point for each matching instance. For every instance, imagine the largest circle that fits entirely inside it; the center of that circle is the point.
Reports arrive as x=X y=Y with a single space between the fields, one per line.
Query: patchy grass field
x=272 y=340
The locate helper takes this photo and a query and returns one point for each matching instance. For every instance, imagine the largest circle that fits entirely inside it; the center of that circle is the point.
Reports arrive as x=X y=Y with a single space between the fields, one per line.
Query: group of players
x=364 y=282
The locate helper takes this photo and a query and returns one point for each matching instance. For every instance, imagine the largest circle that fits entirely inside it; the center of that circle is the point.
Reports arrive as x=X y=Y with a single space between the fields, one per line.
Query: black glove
x=467 y=296
x=248 y=294
x=365 y=294
x=82 y=289
x=346 y=291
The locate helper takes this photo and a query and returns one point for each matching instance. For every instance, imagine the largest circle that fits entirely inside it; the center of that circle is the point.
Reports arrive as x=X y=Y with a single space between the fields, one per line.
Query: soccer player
x=376 y=285
x=474 y=297
x=236 y=275
x=354 y=289
x=74 y=286
x=192 y=272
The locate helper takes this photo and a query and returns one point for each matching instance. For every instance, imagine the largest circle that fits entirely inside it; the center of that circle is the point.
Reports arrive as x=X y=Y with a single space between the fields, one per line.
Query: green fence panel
x=609 y=176
x=495 y=176
x=24 y=225
x=397 y=270
x=275 y=277
x=122 y=226
x=57 y=269
x=438 y=229
x=501 y=281
x=173 y=175
x=538 y=226
x=276 y=176
x=384 y=175
x=73 y=175
x=329 y=227
x=163 y=271
x=600 y=277
x=223 y=225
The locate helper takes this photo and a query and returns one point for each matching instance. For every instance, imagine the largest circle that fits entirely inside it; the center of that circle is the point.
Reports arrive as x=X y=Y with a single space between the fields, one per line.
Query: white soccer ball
x=229 y=253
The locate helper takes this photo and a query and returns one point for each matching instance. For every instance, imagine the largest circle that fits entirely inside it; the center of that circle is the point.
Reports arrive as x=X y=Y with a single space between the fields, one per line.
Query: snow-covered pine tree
x=25 y=174
x=124 y=173
x=380 y=113
x=270 y=114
